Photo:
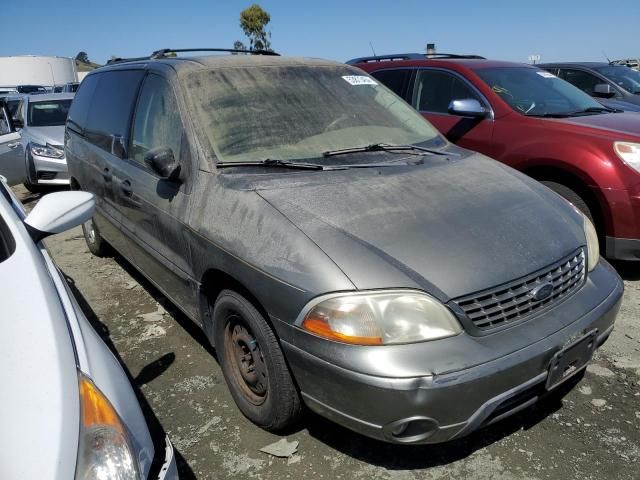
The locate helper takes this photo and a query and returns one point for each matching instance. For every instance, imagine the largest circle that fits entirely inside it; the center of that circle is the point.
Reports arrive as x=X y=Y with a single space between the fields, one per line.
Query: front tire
x=96 y=244
x=253 y=364
x=570 y=195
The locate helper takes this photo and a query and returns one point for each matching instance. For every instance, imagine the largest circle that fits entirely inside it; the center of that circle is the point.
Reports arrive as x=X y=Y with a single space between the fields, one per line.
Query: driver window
x=157 y=121
x=434 y=90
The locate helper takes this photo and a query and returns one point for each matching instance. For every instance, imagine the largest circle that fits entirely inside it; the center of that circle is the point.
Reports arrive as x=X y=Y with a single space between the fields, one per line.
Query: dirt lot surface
x=591 y=433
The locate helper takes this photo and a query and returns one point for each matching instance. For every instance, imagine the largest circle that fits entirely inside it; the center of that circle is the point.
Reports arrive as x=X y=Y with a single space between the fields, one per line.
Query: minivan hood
x=626 y=123
x=450 y=228
x=44 y=135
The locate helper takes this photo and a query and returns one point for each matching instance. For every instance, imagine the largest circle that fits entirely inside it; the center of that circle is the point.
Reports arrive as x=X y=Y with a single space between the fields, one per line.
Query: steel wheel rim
x=244 y=355
x=90 y=231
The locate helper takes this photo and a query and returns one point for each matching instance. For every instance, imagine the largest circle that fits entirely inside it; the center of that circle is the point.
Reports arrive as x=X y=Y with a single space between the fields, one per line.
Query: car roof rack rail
x=162 y=53
x=412 y=56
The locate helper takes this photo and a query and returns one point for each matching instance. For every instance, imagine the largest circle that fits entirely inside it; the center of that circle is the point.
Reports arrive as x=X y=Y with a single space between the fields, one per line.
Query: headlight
x=46 y=151
x=104 y=449
x=380 y=318
x=593 y=247
x=629 y=153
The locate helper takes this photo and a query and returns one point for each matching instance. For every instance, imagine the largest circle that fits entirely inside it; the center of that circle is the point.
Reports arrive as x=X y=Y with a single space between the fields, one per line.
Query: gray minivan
x=337 y=250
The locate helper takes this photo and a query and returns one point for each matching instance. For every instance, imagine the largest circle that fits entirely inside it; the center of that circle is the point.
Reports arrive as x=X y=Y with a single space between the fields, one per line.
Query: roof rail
x=162 y=53
x=411 y=56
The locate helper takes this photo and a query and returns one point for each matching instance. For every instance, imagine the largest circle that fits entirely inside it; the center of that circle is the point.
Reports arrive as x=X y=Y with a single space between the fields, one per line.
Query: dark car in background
x=535 y=122
x=616 y=86
x=336 y=249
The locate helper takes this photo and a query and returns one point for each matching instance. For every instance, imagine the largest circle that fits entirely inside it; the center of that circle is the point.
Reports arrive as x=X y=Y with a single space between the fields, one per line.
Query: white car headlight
x=104 y=449
x=46 y=151
x=380 y=318
x=593 y=246
x=629 y=153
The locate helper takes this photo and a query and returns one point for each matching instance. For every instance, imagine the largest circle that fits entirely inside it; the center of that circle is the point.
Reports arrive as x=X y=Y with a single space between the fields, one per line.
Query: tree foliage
x=238 y=45
x=253 y=21
x=83 y=57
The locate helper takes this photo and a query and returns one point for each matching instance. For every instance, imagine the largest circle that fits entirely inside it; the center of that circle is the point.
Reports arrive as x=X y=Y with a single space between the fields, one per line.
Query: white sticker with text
x=359 y=80
x=546 y=74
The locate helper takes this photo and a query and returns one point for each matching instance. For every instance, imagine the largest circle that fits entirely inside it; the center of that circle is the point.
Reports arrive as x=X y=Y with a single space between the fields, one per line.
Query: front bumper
x=169 y=469
x=443 y=406
x=47 y=170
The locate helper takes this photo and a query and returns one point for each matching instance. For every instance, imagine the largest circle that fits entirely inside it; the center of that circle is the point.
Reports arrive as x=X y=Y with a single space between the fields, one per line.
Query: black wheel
x=570 y=195
x=253 y=364
x=97 y=245
x=32 y=187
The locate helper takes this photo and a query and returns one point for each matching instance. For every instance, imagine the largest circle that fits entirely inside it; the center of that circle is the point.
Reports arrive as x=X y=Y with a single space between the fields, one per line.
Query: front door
x=152 y=207
x=434 y=90
x=12 y=165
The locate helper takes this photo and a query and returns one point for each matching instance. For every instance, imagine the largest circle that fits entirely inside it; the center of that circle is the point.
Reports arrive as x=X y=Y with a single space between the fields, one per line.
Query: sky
x=558 y=30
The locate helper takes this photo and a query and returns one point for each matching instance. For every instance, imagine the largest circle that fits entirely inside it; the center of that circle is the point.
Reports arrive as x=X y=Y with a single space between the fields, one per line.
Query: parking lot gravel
x=593 y=432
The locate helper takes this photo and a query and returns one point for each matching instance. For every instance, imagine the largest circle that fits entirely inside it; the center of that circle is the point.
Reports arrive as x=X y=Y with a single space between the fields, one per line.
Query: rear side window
x=583 y=80
x=111 y=109
x=79 y=111
x=395 y=80
x=435 y=90
x=7 y=242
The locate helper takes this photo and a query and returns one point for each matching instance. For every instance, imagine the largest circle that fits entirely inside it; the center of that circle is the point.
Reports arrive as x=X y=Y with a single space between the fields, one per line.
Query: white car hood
x=39 y=406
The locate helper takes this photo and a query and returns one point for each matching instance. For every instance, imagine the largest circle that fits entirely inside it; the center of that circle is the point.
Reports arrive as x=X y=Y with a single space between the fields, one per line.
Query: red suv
x=535 y=122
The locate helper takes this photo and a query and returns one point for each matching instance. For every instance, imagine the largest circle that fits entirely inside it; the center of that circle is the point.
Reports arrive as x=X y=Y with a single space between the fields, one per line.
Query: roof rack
x=412 y=56
x=162 y=53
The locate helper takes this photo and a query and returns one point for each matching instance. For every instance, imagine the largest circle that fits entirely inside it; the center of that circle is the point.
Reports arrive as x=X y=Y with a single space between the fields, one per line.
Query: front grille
x=514 y=301
x=47 y=175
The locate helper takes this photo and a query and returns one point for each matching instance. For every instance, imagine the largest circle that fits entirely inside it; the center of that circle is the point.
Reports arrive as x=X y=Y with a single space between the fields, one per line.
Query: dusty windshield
x=294 y=112
x=536 y=92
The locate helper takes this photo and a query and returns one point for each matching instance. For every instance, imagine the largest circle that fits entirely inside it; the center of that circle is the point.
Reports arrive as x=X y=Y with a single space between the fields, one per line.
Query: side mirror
x=162 y=161
x=603 y=90
x=468 y=107
x=57 y=212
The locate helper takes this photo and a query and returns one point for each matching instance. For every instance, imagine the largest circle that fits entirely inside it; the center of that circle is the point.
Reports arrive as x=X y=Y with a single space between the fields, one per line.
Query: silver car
x=68 y=410
x=42 y=119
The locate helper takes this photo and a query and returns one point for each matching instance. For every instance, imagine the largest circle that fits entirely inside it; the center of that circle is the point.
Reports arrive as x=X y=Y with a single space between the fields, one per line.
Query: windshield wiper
x=269 y=162
x=384 y=147
x=576 y=113
x=595 y=110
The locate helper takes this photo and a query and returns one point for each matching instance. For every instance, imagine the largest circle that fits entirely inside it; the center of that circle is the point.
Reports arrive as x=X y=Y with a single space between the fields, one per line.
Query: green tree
x=253 y=21
x=238 y=45
x=82 y=57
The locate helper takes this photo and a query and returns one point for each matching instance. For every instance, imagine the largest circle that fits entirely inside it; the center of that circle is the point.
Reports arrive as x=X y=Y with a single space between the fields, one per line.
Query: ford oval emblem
x=542 y=292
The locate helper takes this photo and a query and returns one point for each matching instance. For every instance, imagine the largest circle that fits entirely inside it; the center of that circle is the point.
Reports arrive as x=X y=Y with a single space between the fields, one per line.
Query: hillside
x=86 y=67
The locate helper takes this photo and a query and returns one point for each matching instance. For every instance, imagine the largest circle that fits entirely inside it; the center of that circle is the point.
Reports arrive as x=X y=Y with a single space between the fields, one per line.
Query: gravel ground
x=591 y=433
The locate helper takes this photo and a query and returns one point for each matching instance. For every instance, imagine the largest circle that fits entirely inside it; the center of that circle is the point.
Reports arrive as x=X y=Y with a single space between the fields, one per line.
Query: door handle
x=126 y=188
x=13 y=145
x=106 y=174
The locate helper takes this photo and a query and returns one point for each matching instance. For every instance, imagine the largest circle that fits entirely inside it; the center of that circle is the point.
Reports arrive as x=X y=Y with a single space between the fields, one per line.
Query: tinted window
x=157 y=120
x=50 y=113
x=5 y=126
x=434 y=90
x=111 y=109
x=77 y=119
x=396 y=80
x=583 y=80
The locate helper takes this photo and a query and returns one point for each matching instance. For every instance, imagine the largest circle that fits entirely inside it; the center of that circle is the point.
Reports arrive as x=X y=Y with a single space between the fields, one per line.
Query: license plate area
x=571 y=359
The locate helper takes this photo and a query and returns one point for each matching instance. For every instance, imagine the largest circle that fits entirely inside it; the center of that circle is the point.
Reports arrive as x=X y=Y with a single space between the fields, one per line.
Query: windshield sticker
x=546 y=74
x=359 y=80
